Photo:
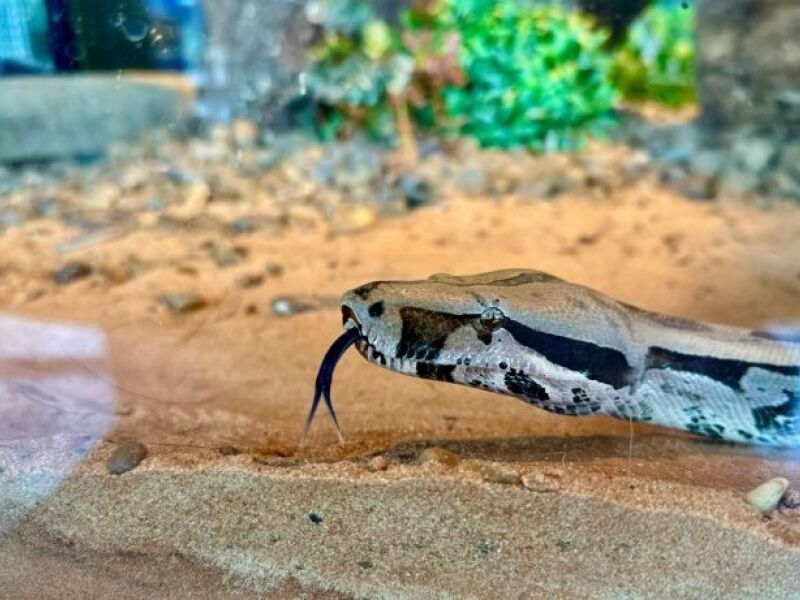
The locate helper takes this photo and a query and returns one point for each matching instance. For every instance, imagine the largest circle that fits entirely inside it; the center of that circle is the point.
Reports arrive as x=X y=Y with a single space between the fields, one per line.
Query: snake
x=571 y=350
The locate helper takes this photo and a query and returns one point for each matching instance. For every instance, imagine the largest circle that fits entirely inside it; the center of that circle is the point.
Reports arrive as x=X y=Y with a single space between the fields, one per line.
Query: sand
x=611 y=510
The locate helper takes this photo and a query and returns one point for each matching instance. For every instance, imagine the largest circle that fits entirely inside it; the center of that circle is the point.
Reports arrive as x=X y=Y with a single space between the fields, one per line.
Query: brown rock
x=495 y=474
x=72 y=271
x=536 y=481
x=126 y=457
x=378 y=463
x=438 y=456
x=182 y=303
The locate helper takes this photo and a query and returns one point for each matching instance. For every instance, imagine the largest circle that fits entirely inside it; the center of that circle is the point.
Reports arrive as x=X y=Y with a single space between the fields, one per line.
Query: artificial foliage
x=504 y=72
x=536 y=76
x=354 y=69
x=657 y=60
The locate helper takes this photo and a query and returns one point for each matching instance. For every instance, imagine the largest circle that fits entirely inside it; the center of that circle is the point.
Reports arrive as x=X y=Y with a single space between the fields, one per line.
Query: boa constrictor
x=573 y=351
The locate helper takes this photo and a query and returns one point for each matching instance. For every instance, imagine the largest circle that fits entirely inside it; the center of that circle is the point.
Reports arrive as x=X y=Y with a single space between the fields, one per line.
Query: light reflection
x=23 y=338
x=53 y=409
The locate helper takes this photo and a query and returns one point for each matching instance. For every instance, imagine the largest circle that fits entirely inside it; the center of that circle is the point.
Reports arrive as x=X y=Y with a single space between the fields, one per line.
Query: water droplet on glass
x=135 y=29
x=117 y=19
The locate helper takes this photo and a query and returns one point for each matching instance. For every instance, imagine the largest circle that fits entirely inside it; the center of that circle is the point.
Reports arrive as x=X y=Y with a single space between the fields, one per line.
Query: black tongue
x=325 y=379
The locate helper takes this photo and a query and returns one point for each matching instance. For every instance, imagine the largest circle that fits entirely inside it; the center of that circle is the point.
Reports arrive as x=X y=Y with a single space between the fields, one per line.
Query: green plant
x=536 y=76
x=354 y=69
x=436 y=56
x=657 y=60
x=504 y=72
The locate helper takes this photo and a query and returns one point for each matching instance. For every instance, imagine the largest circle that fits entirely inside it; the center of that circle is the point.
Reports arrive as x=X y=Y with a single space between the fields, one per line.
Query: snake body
x=570 y=350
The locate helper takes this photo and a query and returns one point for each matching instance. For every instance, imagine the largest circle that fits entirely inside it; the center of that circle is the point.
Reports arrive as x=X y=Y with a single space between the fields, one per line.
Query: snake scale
x=570 y=350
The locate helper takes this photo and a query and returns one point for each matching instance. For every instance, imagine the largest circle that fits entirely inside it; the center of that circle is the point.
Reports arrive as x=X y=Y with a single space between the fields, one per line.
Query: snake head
x=425 y=327
x=479 y=330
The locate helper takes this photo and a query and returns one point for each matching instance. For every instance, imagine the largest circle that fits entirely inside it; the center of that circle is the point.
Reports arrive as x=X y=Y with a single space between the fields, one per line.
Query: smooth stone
x=227 y=256
x=791 y=498
x=438 y=456
x=251 y=280
x=182 y=303
x=274 y=269
x=228 y=450
x=767 y=496
x=492 y=474
x=536 y=481
x=126 y=457
x=417 y=191
x=72 y=271
x=754 y=154
x=288 y=306
x=378 y=463
x=471 y=179
x=353 y=218
x=699 y=186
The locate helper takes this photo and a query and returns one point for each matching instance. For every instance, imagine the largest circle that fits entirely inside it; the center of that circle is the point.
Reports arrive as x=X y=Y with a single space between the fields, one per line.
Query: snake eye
x=492 y=319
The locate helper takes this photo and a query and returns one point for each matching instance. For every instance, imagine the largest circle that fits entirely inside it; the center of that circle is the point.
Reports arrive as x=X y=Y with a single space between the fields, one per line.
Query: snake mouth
x=348 y=314
x=370 y=352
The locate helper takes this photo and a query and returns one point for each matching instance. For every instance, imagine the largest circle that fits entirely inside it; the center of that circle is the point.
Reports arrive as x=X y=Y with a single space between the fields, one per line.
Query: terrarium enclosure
x=187 y=190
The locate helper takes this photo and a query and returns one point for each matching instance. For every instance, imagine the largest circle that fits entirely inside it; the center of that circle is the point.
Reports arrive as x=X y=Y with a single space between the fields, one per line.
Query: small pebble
x=273 y=269
x=365 y=564
x=791 y=498
x=492 y=474
x=699 y=186
x=245 y=133
x=227 y=256
x=767 y=496
x=378 y=463
x=72 y=271
x=438 y=456
x=353 y=218
x=417 y=191
x=187 y=270
x=182 y=303
x=314 y=518
x=552 y=472
x=536 y=481
x=251 y=280
x=485 y=548
x=126 y=456
x=227 y=450
x=244 y=225
x=287 y=307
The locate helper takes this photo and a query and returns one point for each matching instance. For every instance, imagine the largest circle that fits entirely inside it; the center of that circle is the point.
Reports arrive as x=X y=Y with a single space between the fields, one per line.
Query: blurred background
x=396 y=72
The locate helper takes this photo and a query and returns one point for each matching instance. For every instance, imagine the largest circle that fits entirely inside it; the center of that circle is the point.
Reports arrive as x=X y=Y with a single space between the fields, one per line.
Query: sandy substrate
x=610 y=510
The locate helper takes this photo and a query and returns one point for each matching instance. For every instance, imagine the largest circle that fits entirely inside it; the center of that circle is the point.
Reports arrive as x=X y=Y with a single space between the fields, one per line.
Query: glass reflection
x=54 y=407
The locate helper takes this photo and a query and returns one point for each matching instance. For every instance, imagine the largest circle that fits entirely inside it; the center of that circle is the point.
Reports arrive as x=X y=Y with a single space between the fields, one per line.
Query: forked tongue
x=325 y=379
